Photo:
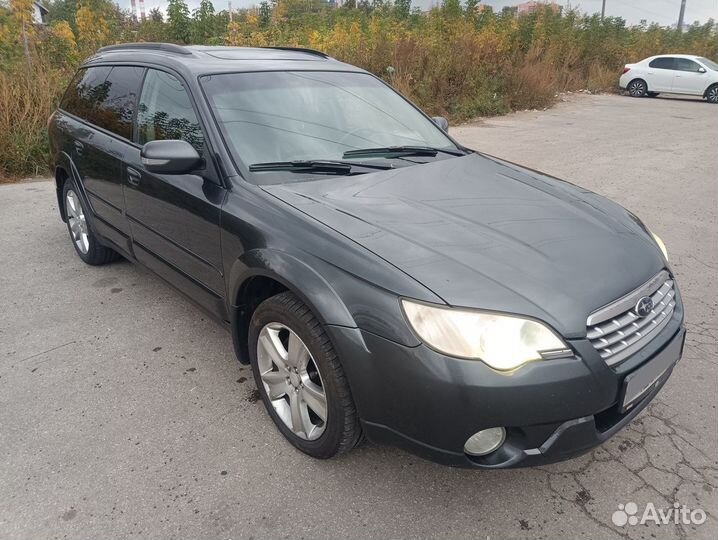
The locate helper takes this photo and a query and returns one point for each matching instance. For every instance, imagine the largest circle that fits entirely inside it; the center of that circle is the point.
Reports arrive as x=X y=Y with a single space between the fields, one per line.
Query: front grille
x=617 y=331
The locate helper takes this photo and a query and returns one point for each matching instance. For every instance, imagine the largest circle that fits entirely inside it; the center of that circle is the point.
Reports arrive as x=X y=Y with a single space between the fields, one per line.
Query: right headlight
x=661 y=245
x=504 y=342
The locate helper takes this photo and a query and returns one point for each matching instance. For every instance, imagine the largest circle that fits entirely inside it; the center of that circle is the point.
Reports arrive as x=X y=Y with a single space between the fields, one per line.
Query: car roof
x=689 y=56
x=196 y=60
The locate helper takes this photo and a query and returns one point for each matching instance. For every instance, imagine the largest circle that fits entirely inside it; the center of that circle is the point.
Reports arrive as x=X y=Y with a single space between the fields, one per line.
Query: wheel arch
x=61 y=176
x=64 y=170
x=262 y=273
x=639 y=78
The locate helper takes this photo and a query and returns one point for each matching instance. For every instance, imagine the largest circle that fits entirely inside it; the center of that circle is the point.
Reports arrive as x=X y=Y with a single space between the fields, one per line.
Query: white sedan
x=673 y=74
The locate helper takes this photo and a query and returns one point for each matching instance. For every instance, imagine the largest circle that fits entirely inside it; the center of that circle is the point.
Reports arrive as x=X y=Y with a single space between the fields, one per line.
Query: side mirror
x=442 y=122
x=170 y=157
x=701 y=70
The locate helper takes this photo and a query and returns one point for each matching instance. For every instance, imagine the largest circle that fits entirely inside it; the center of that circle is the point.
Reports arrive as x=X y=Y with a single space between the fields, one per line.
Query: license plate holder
x=637 y=384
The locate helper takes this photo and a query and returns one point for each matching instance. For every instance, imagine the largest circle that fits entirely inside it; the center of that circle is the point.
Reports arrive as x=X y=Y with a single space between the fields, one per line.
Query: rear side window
x=685 y=64
x=165 y=111
x=117 y=107
x=105 y=96
x=663 y=63
x=86 y=90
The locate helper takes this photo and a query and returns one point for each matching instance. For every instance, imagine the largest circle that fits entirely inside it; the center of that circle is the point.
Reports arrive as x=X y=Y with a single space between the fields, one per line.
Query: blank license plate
x=643 y=380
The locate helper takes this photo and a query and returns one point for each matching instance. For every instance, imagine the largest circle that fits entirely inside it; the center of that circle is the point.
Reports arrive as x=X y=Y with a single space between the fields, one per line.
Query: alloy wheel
x=713 y=94
x=292 y=381
x=77 y=222
x=637 y=88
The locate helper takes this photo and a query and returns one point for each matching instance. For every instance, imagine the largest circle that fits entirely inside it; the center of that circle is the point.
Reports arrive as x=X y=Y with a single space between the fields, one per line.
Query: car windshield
x=709 y=63
x=316 y=115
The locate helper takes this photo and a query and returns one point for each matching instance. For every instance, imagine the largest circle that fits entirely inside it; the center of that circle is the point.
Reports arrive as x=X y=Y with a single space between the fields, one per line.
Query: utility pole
x=680 y=17
x=603 y=9
x=25 y=44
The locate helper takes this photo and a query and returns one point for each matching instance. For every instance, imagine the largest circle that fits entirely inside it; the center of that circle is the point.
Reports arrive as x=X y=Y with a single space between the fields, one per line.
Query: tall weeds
x=452 y=61
x=27 y=99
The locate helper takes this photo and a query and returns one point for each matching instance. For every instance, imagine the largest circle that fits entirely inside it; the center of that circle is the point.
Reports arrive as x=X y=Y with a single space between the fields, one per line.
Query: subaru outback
x=381 y=279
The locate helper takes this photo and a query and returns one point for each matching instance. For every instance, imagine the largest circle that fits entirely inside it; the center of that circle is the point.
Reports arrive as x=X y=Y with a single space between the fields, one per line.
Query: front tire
x=712 y=94
x=300 y=379
x=637 y=88
x=86 y=244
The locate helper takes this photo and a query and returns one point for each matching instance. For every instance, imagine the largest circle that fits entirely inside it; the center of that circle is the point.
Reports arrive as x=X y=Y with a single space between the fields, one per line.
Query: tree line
x=459 y=60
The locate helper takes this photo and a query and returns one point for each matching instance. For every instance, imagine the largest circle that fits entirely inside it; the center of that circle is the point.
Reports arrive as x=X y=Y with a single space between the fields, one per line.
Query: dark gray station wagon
x=381 y=279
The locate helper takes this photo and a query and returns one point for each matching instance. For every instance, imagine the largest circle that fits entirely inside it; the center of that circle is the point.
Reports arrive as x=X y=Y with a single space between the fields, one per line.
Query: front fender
x=297 y=276
x=335 y=296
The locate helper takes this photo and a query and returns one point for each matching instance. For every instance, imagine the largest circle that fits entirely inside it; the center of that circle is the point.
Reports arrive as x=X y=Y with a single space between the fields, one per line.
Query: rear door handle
x=133 y=176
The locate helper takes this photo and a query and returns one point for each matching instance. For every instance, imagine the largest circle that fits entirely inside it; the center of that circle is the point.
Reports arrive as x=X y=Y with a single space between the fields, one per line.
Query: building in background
x=39 y=13
x=530 y=7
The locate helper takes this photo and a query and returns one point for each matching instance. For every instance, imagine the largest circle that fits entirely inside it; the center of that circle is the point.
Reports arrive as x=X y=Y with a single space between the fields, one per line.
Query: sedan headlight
x=503 y=342
x=661 y=245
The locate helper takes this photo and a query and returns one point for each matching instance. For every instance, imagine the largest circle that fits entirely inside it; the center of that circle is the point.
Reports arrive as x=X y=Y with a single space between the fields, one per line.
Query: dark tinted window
x=86 y=90
x=115 y=111
x=663 y=63
x=684 y=64
x=165 y=111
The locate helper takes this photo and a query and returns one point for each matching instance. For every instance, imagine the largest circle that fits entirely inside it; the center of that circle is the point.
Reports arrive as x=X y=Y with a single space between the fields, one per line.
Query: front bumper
x=430 y=404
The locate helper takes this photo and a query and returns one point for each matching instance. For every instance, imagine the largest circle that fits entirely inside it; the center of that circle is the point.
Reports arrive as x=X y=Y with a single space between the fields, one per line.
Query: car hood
x=484 y=233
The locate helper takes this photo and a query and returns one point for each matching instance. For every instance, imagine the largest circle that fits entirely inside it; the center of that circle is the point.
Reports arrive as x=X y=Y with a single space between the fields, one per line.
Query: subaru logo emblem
x=644 y=306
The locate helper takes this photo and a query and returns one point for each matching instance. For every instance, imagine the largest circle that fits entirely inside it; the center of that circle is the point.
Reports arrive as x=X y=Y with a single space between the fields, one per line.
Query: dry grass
x=27 y=99
x=454 y=65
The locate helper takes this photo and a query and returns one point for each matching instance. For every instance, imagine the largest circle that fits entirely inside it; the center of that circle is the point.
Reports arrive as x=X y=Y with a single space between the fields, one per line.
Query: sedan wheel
x=77 y=222
x=712 y=94
x=292 y=381
x=637 y=88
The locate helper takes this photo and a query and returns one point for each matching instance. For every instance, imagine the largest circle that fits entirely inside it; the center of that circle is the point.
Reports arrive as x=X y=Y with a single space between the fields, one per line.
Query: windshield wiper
x=313 y=166
x=395 y=151
x=303 y=166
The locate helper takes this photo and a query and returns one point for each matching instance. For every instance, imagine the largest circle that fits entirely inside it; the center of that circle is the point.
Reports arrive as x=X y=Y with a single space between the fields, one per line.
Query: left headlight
x=504 y=342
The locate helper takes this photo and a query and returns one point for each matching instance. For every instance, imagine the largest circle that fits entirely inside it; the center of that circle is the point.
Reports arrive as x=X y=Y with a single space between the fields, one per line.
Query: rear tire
x=293 y=359
x=637 y=88
x=84 y=240
x=712 y=94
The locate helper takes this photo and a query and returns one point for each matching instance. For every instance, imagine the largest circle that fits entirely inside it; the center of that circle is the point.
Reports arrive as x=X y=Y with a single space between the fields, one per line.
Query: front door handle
x=133 y=176
x=79 y=147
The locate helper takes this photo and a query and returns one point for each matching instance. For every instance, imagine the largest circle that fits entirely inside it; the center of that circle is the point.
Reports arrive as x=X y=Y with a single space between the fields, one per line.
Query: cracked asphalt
x=123 y=412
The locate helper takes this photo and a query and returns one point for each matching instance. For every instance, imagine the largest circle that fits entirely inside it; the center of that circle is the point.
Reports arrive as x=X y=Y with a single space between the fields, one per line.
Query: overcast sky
x=664 y=12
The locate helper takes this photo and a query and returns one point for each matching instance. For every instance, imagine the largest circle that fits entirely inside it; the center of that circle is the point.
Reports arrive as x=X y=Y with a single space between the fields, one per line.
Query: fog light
x=485 y=441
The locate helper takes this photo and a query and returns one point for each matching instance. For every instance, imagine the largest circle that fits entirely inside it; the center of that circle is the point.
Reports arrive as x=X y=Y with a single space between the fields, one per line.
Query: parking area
x=123 y=412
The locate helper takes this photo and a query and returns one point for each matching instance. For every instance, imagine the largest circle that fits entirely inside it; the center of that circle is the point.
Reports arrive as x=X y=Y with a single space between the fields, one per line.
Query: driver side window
x=165 y=111
x=685 y=64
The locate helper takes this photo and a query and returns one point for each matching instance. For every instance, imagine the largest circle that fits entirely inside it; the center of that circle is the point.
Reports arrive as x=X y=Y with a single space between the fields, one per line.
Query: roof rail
x=167 y=47
x=300 y=49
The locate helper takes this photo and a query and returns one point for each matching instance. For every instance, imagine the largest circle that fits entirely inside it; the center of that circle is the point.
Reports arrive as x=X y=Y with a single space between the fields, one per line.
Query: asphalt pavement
x=123 y=412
